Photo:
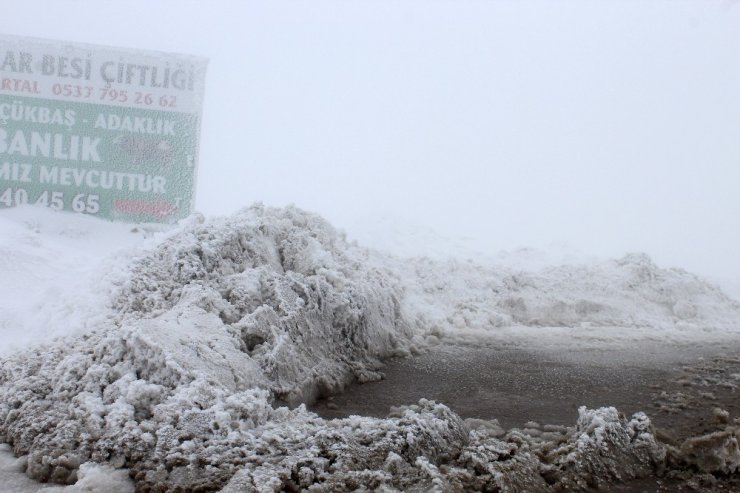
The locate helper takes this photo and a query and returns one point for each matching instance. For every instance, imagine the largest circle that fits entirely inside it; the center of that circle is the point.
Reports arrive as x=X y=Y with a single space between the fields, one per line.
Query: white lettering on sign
x=107 y=180
x=20 y=112
x=136 y=124
x=16 y=172
x=57 y=146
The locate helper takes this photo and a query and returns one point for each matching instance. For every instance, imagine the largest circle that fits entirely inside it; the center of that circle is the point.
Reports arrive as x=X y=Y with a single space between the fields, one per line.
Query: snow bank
x=453 y=296
x=178 y=361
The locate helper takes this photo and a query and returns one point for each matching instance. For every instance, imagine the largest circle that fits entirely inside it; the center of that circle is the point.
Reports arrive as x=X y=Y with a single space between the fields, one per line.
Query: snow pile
x=716 y=452
x=631 y=292
x=92 y=478
x=179 y=361
x=270 y=306
x=280 y=297
x=607 y=448
x=95 y=478
x=427 y=448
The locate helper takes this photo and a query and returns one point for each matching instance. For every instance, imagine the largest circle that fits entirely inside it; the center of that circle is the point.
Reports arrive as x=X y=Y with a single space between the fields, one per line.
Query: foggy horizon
x=610 y=127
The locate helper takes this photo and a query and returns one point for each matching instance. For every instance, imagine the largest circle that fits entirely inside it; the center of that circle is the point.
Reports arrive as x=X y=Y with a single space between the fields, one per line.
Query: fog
x=609 y=126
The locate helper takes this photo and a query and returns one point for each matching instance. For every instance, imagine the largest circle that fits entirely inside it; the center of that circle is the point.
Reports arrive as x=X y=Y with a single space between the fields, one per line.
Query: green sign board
x=97 y=130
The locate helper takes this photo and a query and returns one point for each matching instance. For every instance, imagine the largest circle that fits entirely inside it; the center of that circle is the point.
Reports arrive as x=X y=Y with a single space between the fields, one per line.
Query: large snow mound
x=277 y=297
x=200 y=339
x=269 y=306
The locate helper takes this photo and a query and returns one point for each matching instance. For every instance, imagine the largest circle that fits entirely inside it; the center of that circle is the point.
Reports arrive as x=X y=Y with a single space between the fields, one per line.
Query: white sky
x=607 y=125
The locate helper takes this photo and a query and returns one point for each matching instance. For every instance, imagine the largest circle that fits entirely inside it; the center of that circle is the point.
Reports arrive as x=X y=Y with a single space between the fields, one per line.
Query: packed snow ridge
x=215 y=333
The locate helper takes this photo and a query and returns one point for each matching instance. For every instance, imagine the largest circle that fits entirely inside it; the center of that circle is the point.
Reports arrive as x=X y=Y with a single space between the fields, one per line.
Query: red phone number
x=113 y=95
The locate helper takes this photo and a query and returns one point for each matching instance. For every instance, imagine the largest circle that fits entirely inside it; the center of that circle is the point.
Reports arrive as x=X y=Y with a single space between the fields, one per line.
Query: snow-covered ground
x=178 y=347
x=58 y=271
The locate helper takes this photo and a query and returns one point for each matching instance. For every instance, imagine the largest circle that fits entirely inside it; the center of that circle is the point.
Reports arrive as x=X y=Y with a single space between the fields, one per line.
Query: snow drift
x=216 y=325
x=631 y=292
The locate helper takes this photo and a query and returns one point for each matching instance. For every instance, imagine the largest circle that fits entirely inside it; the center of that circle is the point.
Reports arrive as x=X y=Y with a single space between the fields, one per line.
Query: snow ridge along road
x=180 y=349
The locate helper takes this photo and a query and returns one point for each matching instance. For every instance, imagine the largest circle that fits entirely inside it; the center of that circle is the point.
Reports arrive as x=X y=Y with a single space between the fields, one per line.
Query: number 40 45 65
x=81 y=202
